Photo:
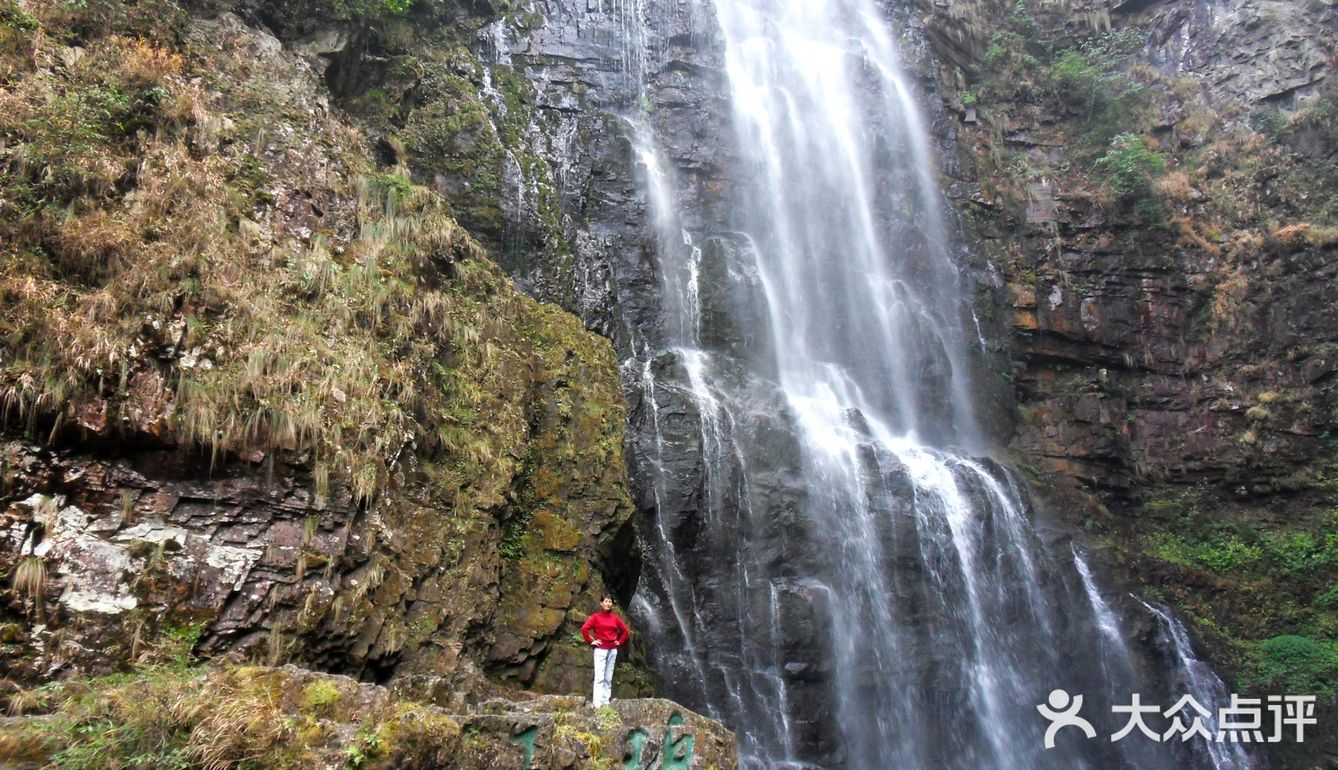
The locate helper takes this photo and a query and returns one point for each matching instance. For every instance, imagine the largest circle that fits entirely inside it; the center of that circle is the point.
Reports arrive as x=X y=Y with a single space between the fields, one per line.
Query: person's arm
x=585 y=629
x=624 y=633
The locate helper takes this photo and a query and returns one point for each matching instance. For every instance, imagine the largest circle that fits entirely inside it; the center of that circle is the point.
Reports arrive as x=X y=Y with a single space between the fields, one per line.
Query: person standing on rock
x=606 y=632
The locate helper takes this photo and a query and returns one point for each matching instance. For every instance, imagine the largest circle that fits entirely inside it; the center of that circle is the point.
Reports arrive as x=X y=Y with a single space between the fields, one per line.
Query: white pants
x=604 y=675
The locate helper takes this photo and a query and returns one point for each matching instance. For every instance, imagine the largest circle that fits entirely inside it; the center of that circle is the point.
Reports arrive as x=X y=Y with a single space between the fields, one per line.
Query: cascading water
x=1199 y=680
x=829 y=568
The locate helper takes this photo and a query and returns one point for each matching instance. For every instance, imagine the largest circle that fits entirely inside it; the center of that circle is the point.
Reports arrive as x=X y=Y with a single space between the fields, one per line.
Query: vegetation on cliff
x=1166 y=238
x=198 y=253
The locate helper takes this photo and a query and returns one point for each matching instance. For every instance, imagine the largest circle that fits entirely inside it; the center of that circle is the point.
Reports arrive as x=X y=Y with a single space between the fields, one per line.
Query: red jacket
x=606 y=628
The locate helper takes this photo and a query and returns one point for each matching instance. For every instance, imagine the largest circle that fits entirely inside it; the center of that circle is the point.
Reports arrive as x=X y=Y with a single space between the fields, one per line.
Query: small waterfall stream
x=831 y=567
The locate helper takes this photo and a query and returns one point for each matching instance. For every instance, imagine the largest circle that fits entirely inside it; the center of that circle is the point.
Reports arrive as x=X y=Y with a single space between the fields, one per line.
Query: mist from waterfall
x=832 y=567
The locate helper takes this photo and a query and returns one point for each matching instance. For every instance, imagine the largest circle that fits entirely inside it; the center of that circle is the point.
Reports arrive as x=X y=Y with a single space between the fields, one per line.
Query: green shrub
x=1329 y=599
x=1014 y=70
x=372 y=8
x=1272 y=123
x=17 y=17
x=392 y=188
x=319 y=695
x=1089 y=79
x=1081 y=83
x=1289 y=664
x=1216 y=555
x=1020 y=19
x=1129 y=168
x=1297 y=554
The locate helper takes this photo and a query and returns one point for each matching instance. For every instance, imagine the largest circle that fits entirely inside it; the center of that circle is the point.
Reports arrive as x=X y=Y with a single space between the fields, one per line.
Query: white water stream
x=844 y=581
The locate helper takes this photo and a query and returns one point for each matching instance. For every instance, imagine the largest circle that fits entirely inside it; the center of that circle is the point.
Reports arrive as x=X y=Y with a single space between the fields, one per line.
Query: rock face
x=1159 y=356
x=1151 y=350
x=1243 y=51
x=1145 y=354
x=340 y=437
x=1186 y=352
x=1171 y=337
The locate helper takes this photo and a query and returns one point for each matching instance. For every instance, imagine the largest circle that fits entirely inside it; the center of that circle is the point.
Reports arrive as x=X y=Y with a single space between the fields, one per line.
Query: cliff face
x=1163 y=217
x=263 y=391
x=1147 y=188
x=265 y=394
x=1156 y=183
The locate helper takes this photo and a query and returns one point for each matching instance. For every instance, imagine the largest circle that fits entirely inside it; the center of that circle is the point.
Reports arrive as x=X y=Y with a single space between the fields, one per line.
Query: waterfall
x=1116 y=657
x=1197 y=679
x=831 y=567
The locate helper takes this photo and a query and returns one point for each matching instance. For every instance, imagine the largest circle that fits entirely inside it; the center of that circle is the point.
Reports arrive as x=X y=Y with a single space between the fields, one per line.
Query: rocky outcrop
x=291 y=718
x=1242 y=51
x=1194 y=345
x=299 y=415
x=450 y=547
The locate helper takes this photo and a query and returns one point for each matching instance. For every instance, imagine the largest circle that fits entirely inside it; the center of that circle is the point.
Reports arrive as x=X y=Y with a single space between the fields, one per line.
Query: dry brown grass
x=1228 y=298
x=1305 y=234
x=184 y=309
x=29 y=579
x=131 y=249
x=141 y=63
x=1293 y=235
x=1175 y=187
x=1189 y=236
x=220 y=719
x=214 y=720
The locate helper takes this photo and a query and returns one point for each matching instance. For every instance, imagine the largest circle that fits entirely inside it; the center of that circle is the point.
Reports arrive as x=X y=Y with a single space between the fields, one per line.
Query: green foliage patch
x=1127 y=172
x=372 y=8
x=1223 y=548
x=1291 y=664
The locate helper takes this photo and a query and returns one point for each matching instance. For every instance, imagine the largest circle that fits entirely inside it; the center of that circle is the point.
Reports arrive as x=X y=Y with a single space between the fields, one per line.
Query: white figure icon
x=1063 y=712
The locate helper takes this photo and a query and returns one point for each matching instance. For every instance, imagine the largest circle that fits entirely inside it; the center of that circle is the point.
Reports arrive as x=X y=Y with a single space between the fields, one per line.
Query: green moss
x=319 y=696
x=512 y=545
x=1262 y=598
x=177 y=642
x=367 y=745
x=517 y=95
x=592 y=744
x=16 y=17
x=1201 y=541
x=373 y=8
x=452 y=133
x=608 y=718
x=375 y=345
x=393 y=188
x=1329 y=599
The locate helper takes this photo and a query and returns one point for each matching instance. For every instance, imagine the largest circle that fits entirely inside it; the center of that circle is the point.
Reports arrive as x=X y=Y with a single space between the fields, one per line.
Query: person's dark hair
x=607 y=596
